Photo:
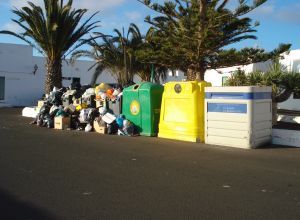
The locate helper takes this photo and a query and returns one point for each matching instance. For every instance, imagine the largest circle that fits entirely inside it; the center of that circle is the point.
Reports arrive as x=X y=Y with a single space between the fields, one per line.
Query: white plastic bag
x=83 y=116
x=109 y=118
x=88 y=128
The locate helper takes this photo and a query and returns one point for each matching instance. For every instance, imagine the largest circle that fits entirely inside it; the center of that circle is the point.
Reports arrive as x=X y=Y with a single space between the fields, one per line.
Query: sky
x=279 y=19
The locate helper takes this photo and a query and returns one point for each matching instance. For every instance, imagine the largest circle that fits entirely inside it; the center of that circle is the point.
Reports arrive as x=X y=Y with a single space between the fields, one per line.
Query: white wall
x=15 y=58
x=22 y=87
x=215 y=76
x=292 y=62
x=16 y=65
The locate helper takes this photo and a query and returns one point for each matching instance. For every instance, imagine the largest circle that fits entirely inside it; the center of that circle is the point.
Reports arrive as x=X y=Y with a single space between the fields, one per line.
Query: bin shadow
x=276 y=147
x=12 y=208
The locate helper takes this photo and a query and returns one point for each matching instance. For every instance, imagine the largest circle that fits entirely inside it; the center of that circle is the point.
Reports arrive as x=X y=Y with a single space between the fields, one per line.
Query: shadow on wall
x=12 y=208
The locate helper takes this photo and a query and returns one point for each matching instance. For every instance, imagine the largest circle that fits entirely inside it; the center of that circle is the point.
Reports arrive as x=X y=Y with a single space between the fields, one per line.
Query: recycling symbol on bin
x=135 y=107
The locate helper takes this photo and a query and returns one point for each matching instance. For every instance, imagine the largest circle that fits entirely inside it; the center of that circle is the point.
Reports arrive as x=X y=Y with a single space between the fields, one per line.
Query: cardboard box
x=62 y=123
x=100 y=129
x=40 y=104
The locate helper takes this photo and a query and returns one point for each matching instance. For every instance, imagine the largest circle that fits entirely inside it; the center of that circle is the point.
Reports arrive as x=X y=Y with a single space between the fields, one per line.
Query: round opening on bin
x=136 y=87
x=177 y=88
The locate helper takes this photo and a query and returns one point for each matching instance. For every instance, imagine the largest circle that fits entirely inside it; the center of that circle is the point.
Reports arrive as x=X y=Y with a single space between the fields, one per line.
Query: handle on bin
x=135 y=87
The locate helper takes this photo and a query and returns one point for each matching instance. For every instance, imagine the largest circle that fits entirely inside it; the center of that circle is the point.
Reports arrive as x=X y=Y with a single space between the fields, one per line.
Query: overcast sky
x=279 y=19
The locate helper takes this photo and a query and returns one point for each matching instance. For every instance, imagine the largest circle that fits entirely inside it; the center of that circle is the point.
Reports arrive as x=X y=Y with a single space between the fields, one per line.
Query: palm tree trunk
x=54 y=75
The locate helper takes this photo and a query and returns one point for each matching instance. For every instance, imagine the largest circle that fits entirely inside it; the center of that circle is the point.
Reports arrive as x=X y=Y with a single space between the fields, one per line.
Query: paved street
x=49 y=174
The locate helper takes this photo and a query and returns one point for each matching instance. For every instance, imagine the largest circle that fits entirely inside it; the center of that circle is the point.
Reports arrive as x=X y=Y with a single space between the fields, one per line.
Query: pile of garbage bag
x=86 y=109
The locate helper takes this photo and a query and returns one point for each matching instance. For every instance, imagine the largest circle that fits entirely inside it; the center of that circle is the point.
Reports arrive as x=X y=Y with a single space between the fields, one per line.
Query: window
x=2 y=87
x=296 y=95
x=174 y=73
x=171 y=73
x=224 y=80
x=75 y=80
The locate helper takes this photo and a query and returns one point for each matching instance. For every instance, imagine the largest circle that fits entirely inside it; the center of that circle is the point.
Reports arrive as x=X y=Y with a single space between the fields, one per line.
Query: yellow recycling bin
x=182 y=111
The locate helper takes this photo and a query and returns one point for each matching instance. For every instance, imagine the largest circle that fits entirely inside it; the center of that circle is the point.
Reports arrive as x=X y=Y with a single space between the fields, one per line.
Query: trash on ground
x=84 y=108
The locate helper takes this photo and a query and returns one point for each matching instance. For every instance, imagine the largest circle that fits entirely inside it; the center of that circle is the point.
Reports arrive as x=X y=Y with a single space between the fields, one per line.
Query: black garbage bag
x=48 y=121
x=39 y=119
x=67 y=98
x=130 y=129
x=77 y=95
x=45 y=109
x=84 y=88
x=45 y=120
x=80 y=91
x=112 y=128
x=53 y=111
x=74 y=122
x=55 y=98
x=93 y=113
x=75 y=86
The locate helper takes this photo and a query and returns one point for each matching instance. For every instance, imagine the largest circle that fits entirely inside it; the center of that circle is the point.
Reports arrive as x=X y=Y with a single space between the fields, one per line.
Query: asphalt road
x=49 y=174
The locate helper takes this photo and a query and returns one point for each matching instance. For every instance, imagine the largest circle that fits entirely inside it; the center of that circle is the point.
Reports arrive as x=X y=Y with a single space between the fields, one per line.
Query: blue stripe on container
x=227 y=108
x=238 y=95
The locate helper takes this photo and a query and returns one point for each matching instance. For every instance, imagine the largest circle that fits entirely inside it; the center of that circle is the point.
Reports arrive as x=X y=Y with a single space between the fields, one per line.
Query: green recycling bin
x=141 y=105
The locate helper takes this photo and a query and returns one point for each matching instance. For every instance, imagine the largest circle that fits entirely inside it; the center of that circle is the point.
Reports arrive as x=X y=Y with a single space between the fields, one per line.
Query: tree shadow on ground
x=12 y=208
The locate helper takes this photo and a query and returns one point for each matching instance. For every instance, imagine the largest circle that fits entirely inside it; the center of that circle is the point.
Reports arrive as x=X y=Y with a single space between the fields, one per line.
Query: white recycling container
x=238 y=116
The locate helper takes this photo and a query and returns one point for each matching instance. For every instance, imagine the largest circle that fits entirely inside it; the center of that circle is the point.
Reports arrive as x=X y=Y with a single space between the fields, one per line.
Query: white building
x=290 y=60
x=22 y=75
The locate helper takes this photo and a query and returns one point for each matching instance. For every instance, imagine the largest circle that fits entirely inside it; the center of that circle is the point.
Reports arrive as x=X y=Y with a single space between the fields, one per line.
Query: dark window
x=297 y=95
x=224 y=80
x=2 y=87
x=76 y=80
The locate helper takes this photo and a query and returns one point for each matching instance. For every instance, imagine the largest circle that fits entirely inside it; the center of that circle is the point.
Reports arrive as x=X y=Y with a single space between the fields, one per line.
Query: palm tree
x=53 y=31
x=107 y=56
x=119 y=55
x=283 y=82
